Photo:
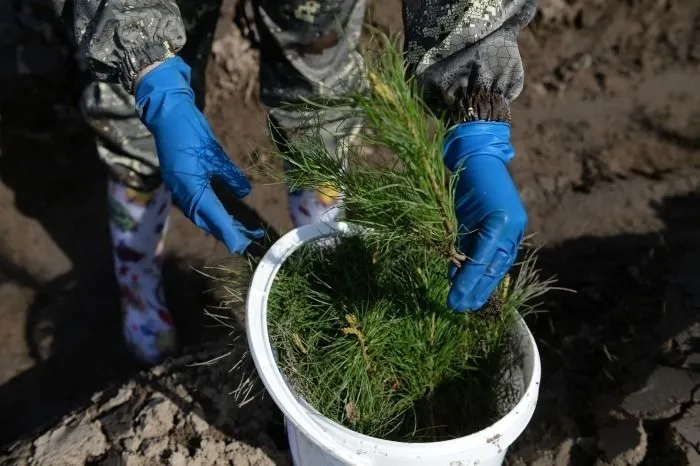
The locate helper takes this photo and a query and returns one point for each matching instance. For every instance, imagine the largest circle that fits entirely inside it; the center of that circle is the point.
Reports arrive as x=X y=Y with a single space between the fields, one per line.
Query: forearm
x=465 y=55
x=119 y=39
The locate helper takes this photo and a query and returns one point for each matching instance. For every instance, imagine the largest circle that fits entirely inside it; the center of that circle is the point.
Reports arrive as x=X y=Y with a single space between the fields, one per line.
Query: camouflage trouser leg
x=464 y=54
x=124 y=144
x=309 y=51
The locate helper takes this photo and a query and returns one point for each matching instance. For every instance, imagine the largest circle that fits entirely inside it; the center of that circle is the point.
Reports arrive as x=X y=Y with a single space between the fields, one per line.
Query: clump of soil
x=181 y=413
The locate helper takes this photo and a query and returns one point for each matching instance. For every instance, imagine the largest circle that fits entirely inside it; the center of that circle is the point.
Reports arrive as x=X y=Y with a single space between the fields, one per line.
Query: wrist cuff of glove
x=173 y=74
x=172 y=77
x=477 y=138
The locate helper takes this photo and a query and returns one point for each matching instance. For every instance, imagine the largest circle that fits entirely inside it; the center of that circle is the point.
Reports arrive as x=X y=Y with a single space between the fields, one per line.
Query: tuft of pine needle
x=406 y=199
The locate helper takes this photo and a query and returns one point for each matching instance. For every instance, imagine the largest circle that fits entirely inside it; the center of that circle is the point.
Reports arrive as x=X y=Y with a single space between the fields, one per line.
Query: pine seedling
x=405 y=199
x=360 y=327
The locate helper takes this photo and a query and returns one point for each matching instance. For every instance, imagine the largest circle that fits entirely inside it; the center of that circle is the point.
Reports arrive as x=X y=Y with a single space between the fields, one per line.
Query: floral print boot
x=138 y=222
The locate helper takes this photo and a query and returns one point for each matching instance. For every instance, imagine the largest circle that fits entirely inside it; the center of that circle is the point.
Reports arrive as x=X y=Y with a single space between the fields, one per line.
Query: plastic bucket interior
x=317 y=441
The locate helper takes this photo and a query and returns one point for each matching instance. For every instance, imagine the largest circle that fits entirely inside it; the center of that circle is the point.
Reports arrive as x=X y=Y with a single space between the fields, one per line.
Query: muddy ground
x=607 y=133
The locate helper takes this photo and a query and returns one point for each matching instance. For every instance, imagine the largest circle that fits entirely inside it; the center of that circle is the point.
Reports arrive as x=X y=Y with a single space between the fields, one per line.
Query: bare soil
x=607 y=133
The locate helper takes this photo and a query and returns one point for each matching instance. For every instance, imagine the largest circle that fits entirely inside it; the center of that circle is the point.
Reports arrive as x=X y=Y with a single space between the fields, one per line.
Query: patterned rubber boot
x=138 y=222
x=323 y=204
x=307 y=207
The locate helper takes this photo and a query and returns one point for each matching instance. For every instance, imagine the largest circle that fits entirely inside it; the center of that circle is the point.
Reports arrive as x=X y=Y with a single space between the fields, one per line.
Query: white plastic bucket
x=317 y=441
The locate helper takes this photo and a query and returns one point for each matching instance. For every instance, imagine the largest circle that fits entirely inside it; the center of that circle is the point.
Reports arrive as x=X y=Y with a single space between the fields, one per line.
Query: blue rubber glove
x=189 y=154
x=491 y=215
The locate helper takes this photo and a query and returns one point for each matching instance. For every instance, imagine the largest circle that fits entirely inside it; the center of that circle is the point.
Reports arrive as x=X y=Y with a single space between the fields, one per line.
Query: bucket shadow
x=635 y=311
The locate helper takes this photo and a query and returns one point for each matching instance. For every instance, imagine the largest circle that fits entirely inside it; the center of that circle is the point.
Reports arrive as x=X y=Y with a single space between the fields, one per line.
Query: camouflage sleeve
x=118 y=38
x=465 y=56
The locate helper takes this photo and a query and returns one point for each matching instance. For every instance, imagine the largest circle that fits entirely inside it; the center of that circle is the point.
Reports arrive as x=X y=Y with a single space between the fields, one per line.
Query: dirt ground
x=607 y=133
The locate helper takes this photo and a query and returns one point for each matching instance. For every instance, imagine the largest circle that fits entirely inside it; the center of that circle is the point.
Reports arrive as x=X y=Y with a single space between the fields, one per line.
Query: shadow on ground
x=48 y=161
x=617 y=347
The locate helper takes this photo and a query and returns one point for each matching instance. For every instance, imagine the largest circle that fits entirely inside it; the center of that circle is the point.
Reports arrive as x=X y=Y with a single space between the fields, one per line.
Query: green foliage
x=364 y=335
x=405 y=199
x=361 y=326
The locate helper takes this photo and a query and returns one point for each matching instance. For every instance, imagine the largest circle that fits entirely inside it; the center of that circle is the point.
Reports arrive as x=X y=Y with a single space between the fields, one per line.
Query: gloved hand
x=189 y=154
x=491 y=216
